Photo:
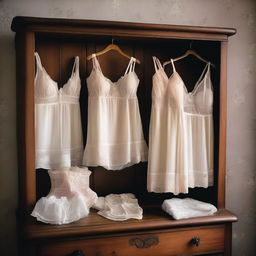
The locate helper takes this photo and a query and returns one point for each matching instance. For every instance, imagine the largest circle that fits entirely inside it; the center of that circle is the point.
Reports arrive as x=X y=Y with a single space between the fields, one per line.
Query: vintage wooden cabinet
x=58 y=41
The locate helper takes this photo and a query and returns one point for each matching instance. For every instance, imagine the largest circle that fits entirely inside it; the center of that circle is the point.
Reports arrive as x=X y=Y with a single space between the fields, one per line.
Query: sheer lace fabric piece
x=115 y=137
x=181 y=133
x=60 y=210
x=69 y=199
x=58 y=130
x=187 y=208
x=70 y=182
x=119 y=207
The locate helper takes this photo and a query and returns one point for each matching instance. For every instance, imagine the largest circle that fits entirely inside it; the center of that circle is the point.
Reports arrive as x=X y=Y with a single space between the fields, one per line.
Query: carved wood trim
x=142 y=243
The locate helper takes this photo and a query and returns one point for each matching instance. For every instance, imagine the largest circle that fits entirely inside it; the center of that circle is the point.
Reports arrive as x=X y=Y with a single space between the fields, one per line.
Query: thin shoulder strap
x=131 y=66
x=75 y=70
x=95 y=62
x=206 y=68
x=157 y=63
x=208 y=76
x=38 y=62
x=173 y=66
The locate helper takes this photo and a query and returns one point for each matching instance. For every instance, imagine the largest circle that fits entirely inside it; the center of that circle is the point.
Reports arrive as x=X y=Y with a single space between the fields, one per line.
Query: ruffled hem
x=170 y=182
x=115 y=157
x=53 y=210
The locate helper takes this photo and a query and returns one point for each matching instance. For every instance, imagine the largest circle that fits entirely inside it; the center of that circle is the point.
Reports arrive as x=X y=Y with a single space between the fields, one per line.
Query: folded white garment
x=187 y=208
x=53 y=210
x=119 y=207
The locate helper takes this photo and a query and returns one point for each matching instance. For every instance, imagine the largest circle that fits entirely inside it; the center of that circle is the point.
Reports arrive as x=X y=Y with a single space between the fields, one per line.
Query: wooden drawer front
x=161 y=243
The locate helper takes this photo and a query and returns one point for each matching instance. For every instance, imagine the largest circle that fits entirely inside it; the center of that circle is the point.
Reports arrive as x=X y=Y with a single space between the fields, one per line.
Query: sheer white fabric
x=70 y=182
x=187 y=208
x=54 y=210
x=181 y=133
x=58 y=130
x=119 y=207
x=69 y=199
x=115 y=138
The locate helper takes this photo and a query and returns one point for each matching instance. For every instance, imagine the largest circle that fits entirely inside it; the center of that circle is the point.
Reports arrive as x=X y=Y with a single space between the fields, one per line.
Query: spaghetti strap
x=38 y=60
x=157 y=63
x=75 y=70
x=173 y=66
x=95 y=62
x=38 y=63
x=131 y=66
x=204 y=73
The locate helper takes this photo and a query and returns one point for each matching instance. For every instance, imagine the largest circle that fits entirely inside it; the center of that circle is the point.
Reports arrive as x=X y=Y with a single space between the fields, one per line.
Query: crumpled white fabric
x=187 y=208
x=99 y=204
x=119 y=207
x=69 y=199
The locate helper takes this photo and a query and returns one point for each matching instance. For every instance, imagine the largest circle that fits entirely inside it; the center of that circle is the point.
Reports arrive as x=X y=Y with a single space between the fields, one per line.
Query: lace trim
x=58 y=100
x=117 y=156
x=116 y=144
x=51 y=159
x=163 y=173
x=114 y=97
x=157 y=181
x=198 y=115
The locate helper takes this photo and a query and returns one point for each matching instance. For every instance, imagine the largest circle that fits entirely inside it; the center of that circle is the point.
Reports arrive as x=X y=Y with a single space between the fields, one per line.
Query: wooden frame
x=29 y=30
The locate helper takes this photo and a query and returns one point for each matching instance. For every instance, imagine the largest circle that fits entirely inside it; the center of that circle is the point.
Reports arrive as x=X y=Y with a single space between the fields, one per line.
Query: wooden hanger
x=112 y=47
x=187 y=53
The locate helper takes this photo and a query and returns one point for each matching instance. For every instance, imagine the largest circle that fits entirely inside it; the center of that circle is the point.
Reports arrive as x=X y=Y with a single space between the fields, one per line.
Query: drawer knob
x=144 y=243
x=77 y=253
x=195 y=241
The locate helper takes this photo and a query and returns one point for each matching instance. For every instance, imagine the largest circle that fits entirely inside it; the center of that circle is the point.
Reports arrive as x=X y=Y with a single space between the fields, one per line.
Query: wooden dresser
x=58 y=41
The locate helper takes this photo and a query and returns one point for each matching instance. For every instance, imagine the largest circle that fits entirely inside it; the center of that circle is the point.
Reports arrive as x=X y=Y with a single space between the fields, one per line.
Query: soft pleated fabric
x=119 y=207
x=187 y=208
x=181 y=133
x=58 y=130
x=70 y=182
x=115 y=137
x=57 y=211
x=69 y=199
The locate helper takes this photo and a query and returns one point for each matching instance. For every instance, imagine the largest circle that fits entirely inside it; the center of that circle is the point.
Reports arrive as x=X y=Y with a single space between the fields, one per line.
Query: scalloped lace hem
x=55 y=159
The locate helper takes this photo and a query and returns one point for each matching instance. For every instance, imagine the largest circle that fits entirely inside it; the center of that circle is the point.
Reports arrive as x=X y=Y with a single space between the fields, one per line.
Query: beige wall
x=241 y=158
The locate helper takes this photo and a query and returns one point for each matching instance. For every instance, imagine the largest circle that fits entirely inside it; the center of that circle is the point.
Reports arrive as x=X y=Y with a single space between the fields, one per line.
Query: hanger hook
x=190 y=44
x=112 y=41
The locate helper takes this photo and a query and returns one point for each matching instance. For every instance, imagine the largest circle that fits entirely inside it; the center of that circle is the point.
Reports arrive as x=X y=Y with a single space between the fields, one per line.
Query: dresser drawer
x=187 y=241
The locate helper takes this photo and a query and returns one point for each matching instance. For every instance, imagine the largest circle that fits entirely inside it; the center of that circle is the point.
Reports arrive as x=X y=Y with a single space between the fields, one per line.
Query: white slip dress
x=167 y=164
x=181 y=133
x=115 y=137
x=58 y=130
x=198 y=107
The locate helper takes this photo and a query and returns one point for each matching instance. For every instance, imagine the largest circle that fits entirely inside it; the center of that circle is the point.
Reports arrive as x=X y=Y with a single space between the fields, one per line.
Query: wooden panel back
x=57 y=54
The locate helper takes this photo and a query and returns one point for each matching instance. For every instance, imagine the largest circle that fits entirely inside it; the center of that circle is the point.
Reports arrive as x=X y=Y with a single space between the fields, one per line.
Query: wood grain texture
x=228 y=239
x=153 y=218
x=120 y=29
x=21 y=22
x=223 y=127
x=169 y=242
x=25 y=119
